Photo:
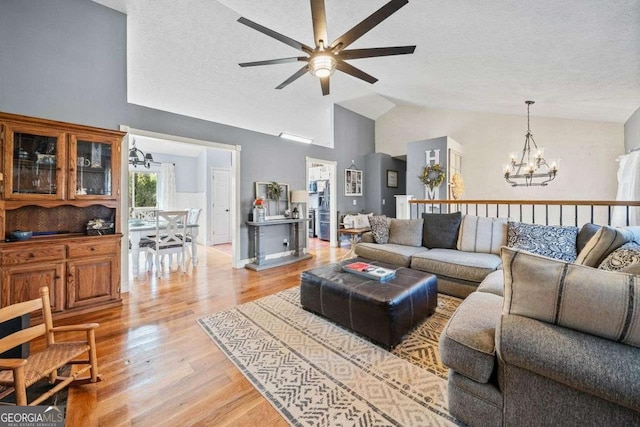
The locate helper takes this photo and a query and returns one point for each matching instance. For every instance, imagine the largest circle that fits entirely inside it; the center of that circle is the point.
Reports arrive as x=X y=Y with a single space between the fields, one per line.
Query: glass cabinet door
x=34 y=162
x=91 y=167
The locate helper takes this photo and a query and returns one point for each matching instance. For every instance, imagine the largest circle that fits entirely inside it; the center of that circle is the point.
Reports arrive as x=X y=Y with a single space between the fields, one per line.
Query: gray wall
x=376 y=181
x=354 y=137
x=632 y=132
x=66 y=60
x=416 y=162
x=186 y=169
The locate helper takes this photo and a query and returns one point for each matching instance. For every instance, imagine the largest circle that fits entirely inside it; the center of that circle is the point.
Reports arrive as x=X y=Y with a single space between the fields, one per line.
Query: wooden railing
x=547 y=212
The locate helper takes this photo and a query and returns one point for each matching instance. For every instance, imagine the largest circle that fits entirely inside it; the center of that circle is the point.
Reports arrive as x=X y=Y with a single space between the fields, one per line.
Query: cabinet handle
x=92 y=248
x=32 y=255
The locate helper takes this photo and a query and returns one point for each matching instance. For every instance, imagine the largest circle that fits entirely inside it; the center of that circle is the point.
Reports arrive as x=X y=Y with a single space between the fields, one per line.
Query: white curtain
x=167 y=187
x=628 y=189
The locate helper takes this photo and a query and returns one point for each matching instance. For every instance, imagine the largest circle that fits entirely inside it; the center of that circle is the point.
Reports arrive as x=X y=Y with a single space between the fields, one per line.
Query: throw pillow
x=406 y=232
x=572 y=296
x=379 y=228
x=585 y=234
x=349 y=221
x=623 y=257
x=605 y=241
x=361 y=221
x=548 y=240
x=441 y=230
x=632 y=269
x=482 y=234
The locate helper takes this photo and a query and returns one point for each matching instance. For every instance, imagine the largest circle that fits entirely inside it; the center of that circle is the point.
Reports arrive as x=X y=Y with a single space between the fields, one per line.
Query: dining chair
x=145 y=214
x=192 y=219
x=169 y=238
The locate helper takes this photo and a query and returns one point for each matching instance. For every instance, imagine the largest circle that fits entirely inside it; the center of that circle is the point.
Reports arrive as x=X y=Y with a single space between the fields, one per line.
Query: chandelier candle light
x=532 y=169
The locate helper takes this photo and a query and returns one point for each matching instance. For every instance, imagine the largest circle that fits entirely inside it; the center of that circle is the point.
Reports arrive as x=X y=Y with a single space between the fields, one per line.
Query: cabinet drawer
x=78 y=250
x=33 y=254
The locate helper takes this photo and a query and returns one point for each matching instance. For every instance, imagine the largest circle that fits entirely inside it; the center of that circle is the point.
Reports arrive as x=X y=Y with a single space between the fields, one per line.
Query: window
x=142 y=189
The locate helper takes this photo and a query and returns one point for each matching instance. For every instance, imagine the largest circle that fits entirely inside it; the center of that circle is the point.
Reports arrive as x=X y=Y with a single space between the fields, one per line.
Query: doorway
x=322 y=206
x=201 y=151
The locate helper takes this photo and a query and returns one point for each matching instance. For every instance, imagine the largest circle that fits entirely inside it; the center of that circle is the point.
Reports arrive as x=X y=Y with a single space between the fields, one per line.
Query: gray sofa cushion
x=406 y=232
x=598 y=302
x=367 y=237
x=605 y=241
x=593 y=365
x=482 y=234
x=441 y=230
x=390 y=253
x=469 y=266
x=493 y=283
x=467 y=343
x=548 y=240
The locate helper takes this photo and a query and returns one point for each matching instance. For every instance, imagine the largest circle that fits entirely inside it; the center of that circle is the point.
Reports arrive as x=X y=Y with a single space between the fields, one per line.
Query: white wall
x=588 y=150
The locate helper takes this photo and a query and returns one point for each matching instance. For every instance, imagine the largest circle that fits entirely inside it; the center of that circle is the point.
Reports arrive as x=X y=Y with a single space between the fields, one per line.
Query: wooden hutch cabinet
x=55 y=178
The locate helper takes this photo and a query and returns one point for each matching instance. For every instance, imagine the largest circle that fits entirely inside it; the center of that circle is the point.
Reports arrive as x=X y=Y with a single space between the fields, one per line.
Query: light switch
x=383 y=202
x=355 y=202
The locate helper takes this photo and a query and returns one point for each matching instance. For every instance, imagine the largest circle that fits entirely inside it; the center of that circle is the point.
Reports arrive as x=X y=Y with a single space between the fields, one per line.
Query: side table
x=355 y=234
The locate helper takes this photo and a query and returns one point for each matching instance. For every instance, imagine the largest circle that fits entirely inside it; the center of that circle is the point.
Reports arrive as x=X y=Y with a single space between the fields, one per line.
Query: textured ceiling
x=577 y=59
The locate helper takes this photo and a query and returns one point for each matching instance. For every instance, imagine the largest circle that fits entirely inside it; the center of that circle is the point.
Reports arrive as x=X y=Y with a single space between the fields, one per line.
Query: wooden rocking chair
x=18 y=374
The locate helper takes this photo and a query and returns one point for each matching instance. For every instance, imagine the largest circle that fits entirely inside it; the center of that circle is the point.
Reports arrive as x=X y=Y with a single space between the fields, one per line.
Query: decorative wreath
x=457 y=186
x=432 y=175
x=274 y=190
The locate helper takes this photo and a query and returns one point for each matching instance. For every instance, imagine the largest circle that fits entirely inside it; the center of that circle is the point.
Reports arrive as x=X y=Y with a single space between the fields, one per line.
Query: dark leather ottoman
x=382 y=311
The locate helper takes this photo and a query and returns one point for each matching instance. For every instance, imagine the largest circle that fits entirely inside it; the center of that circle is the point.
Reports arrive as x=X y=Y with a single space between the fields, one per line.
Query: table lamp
x=297 y=197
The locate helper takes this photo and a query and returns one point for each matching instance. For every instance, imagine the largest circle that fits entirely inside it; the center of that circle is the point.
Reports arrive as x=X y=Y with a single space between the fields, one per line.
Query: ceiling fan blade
x=284 y=39
x=367 y=24
x=274 y=61
x=355 y=72
x=319 y=17
x=324 y=84
x=301 y=72
x=376 y=51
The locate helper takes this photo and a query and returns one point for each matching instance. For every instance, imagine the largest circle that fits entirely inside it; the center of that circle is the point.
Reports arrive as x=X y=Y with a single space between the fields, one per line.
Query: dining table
x=139 y=229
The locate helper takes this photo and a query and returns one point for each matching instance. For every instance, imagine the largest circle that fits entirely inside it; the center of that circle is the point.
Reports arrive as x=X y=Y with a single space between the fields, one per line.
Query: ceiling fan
x=325 y=58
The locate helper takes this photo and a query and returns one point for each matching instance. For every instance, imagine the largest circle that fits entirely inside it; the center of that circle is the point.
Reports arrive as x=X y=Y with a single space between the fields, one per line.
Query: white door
x=221 y=186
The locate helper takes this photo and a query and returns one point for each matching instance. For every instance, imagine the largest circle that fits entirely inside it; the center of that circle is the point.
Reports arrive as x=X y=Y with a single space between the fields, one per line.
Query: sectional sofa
x=538 y=340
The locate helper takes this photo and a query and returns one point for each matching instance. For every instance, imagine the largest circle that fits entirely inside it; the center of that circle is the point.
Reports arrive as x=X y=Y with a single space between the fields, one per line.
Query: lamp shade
x=298 y=196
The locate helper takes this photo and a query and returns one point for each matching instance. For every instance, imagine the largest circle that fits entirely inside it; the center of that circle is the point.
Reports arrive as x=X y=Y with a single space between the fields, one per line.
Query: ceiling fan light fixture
x=322 y=65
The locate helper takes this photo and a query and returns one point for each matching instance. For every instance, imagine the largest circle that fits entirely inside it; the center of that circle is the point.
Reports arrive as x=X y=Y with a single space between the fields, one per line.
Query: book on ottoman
x=370 y=271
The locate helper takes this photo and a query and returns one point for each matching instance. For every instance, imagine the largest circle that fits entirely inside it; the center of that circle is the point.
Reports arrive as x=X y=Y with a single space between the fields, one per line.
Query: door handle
x=226 y=210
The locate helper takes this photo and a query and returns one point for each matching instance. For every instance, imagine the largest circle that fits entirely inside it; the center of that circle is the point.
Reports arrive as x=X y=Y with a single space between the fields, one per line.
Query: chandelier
x=137 y=157
x=532 y=169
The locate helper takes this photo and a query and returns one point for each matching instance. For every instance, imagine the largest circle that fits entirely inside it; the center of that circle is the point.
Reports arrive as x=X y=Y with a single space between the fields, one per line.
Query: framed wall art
x=352 y=182
x=392 y=178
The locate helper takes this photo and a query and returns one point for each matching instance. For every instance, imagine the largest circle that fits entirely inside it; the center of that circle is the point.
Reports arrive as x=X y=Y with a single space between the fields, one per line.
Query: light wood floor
x=160 y=368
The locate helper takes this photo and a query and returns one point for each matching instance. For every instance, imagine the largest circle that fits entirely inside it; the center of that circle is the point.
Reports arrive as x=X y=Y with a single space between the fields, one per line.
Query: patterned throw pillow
x=547 y=240
x=572 y=296
x=621 y=258
x=379 y=228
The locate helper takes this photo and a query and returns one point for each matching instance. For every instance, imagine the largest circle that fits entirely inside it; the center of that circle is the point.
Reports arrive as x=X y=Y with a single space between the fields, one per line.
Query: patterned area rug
x=315 y=372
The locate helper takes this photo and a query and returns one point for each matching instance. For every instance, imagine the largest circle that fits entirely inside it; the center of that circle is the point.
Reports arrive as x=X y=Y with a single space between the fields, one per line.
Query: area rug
x=315 y=372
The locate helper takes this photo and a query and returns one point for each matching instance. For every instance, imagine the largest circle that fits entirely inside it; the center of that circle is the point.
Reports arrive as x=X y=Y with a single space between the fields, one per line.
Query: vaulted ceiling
x=576 y=59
